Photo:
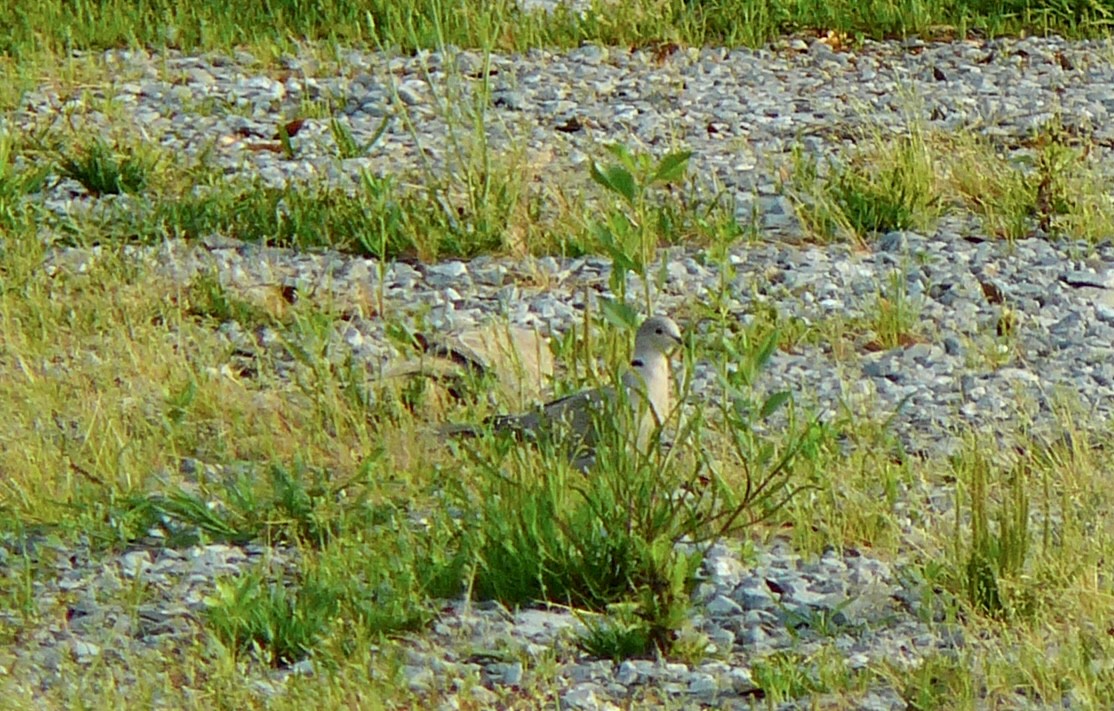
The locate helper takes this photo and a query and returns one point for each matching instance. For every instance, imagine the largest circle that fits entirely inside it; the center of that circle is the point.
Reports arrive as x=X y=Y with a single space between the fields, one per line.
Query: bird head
x=659 y=334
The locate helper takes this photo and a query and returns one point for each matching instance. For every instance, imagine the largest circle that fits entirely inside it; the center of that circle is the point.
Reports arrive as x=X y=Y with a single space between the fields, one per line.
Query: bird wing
x=573 y=411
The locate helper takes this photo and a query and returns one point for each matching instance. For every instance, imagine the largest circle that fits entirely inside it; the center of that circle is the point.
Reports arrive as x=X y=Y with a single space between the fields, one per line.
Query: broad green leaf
x=623 y=153
x=620 y=181
x=672 y=167
x=597 y=175
x=773 y=403
x=618 y=313
x=766 y=351
x=620 y=262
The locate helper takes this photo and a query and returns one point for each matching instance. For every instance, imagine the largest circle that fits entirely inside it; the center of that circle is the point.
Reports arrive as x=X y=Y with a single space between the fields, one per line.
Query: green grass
x=379 y=217
x=104 y=171
x=1051 y=184
x=16 y=182
x=895 y=315
x=481 y=203
x=333 y=605
x=59 y=27
x=1048 y=184
x=40 y=36
x=323 y=462
x=285 y=626
x=130 y=421
x=787 y=676
x=885 y=184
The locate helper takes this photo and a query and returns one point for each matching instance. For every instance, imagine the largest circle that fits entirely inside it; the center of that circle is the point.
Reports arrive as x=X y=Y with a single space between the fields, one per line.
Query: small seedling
x=895 y=316
x=629 y=234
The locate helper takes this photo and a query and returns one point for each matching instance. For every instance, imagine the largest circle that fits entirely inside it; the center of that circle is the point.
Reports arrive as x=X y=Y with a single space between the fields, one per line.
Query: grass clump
x=940 y=681
x=785 y=676
x=17 y=581
x=104 y=170
x=1025 y=538
x=996 y=554
x=380 y=580
x=283 y=625
x=1050 y=183
x=895 y=317
x=891 y=197
x=16 y=182
x=380 y=218
x=207 y=299
x=628 y=539
x=280 y=507
x=1005 y=546
x=889 y=184
x=622 y=634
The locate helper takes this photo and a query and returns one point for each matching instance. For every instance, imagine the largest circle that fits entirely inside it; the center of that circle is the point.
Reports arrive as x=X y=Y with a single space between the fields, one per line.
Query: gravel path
x=741 y=112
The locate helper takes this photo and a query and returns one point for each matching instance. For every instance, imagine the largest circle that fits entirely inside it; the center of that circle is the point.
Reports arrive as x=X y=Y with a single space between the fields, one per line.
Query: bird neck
x=652 y=368
x=651 y=360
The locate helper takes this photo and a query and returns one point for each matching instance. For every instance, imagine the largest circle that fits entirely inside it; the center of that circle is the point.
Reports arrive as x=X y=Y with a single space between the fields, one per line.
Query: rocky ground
x=741 y=112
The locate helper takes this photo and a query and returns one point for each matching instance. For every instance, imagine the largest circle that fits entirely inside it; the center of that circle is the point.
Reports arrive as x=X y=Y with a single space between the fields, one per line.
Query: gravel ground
x=741 y=112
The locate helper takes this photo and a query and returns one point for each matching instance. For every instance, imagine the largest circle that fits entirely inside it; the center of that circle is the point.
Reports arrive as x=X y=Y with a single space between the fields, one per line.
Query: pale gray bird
x=648 y=391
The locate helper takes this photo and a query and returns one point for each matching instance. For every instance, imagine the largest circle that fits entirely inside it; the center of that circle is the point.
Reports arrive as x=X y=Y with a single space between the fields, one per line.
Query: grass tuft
x=885 y=185
x=16 y=182
x=336 y=603
x=283 y=625
x=103 y=170
x=610 y=541
x=1050 y=184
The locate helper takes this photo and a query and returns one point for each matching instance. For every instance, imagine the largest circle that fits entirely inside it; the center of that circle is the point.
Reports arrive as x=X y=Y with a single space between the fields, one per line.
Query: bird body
x=647 y=390
x=649 y=383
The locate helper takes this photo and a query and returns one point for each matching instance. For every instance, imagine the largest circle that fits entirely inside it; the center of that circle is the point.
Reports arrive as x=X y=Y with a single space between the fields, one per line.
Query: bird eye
x=659 y=332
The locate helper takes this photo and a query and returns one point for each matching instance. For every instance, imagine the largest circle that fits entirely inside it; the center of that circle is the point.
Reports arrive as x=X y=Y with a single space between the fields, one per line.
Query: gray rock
x=703 y=685
x=509 y=674
x=85 y=652
x=754 y=595
x=628 y=673
x=745 y=115
x=722 y=606
x=418 y=678
x=584 y=696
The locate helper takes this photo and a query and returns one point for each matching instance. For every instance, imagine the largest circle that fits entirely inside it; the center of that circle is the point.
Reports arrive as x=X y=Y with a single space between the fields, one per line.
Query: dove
x=647 y=385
